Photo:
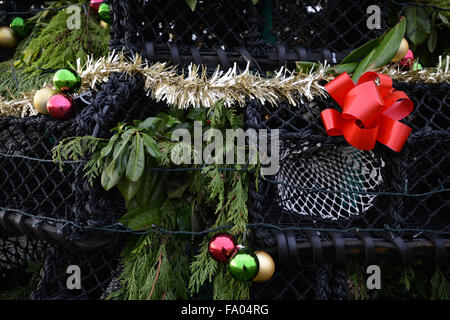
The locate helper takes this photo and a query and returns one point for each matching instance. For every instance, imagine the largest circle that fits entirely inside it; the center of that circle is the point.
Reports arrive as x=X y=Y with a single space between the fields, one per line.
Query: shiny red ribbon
x=370 y=111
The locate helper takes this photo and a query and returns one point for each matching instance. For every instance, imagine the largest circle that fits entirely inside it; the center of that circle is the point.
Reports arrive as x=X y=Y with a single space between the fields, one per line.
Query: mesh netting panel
x=16 y=251
x=315 y=161
x=31 y=182
x=288 y=283
x=334 y=168
x=167 y=30
x=5 y=19
x=97 y=269
x=39 y=187
x=17 y=255
x=337 y=25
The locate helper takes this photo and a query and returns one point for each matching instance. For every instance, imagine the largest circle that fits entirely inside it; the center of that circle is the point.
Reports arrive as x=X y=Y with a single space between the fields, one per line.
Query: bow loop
x=364 y=103
x=370 y=111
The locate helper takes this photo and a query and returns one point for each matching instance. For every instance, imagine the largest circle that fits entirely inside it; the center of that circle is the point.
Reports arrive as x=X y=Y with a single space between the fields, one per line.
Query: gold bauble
x=40 y=99
x=104 y=24
x=266 y=267
x=402 y=51
x=7 y=38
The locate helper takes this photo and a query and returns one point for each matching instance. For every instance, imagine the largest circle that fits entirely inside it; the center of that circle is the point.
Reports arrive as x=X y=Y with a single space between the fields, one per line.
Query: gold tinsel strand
x=18 y=108
x=234 y=87
x=196 y=89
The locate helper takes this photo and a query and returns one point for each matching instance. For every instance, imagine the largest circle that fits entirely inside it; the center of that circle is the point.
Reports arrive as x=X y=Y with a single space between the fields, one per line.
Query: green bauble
x=66 y=80
x=20 y=27
x=104 y=12
x=244 y=266
x=417 y=66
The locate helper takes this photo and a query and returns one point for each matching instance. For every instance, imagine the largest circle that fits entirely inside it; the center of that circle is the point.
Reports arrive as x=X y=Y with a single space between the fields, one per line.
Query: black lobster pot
x=267 y=35
x=314 y=193
x=347 y=203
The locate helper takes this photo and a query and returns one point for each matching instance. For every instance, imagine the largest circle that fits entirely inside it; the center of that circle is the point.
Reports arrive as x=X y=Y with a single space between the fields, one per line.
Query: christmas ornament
x=402 y=51
x=41 y=97
x=66 y=80
x=244 y=266
x=103 y=24
x=7 y=38
x=104 y=12
x=222 y=247
x=407 y=61
x=370 y=111
x=60 y=106
x=417 y=66
x=20 y=27
x=266 y=266
x=95 y=4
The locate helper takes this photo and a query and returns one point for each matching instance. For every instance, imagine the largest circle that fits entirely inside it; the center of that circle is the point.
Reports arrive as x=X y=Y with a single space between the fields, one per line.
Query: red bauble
x=407 y=61
x=95 y=4
x=60 y=106
x=222 y=247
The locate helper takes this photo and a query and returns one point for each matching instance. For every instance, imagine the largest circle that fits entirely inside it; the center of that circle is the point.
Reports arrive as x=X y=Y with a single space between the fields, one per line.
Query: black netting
x=97 y=270
x=304 y=283
x=32 y=183
x=34 y=186
x=270 y=33
x=23 y=7
x=315 y=162
x=17 y=254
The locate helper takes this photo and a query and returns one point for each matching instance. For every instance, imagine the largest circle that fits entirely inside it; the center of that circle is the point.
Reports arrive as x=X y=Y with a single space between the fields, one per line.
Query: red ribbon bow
x=370 y=111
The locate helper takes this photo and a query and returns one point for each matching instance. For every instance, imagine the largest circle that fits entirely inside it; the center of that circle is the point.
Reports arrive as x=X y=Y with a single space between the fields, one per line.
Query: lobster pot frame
x=267 y=35
x=41 y=205
x=367 y=204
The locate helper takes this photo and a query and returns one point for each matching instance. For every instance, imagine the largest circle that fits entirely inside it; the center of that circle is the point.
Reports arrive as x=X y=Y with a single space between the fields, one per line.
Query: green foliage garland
x=156 y=266
x=51 y=45
x=398 y=281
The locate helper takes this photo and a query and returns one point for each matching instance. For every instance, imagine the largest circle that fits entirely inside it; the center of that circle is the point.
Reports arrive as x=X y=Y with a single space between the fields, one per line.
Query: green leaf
x=151 y=146
x=364 y=66
x=109 y=182
x=137 y=215
x=384 y=52
x=305 y=66
x=145 y=219
x=149 y=123
x=192 y=4
x=184 y=219
x=432 y=39
x=361 y=52
x=178 y=192
x=128 y=188
x=120 y=147
x=136 y=161
x=255 y=1
x=171 y=121
x=121 y=164
x=106 y=150
x=443 y=19
x=346 y=67
x=159 y=192
x=197 y=114
x=149 y=179
x=418 y=24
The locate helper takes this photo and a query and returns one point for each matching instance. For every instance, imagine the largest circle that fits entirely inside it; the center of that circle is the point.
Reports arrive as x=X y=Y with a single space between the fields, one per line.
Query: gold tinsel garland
x=234 y=87
x=18 y=108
